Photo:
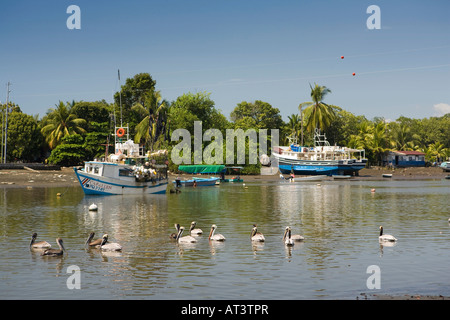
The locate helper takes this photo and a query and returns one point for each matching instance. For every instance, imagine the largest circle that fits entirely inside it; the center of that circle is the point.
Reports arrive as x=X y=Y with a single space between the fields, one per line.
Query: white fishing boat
x=127 y=171
x=322 y=159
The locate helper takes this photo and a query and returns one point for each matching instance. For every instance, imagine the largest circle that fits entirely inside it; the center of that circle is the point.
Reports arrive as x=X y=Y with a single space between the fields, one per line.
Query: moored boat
x=196 y=182
x=322 y=159
x=128 y=171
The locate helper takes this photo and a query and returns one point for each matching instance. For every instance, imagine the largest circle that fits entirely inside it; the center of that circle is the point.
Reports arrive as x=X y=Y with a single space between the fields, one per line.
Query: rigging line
x=231 y=83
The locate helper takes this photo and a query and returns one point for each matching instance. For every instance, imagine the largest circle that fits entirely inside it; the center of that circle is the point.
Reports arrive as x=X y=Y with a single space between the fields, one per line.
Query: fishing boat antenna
x=120 y=97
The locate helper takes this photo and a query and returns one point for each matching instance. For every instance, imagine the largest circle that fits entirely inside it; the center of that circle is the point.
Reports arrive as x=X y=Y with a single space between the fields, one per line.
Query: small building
x=405 y=159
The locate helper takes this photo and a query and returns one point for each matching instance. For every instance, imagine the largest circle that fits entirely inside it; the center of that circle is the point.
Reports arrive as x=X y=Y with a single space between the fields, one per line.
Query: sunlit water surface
x=339 y=219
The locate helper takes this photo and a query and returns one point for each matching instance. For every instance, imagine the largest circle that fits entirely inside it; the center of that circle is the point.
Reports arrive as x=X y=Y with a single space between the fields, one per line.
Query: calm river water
x=339 y=219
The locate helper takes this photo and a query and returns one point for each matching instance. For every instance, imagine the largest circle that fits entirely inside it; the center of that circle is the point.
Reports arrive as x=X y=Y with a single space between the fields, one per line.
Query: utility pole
x=1 y=150
x=6 y=120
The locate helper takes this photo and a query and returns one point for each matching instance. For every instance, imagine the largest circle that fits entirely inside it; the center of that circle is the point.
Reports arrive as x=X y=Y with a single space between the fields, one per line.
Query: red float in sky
x=342 y=57
x=354 y=73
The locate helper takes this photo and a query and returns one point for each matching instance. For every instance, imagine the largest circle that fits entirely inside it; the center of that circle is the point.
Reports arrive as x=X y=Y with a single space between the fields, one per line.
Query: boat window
x=95 y=170
x=125 y=172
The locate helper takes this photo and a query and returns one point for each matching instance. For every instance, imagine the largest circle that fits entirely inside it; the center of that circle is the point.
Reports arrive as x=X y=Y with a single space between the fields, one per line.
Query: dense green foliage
x=74 y=132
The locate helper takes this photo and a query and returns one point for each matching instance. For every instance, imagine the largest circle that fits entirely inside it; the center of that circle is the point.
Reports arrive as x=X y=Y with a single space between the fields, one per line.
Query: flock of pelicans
x=103 y=244
x=288 y=238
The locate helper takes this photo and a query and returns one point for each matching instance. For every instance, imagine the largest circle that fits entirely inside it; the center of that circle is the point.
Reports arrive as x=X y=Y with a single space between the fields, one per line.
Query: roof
x=409 y=153
x=202 y=168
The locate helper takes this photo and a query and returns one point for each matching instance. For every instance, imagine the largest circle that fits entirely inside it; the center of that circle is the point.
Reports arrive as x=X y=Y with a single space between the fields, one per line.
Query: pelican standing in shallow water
x=55 y=252
x=216 y=237
x=185 y=239
x=39 y=244
x=104 y=246
x=295 y=237
x=287 y=237
x=174 y=235
x=257 y=236
x=386 y=237
x=193 y=230
x=93 y=243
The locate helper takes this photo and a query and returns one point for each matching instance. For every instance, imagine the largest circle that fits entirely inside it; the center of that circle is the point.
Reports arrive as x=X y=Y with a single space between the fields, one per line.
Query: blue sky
x=237 y=50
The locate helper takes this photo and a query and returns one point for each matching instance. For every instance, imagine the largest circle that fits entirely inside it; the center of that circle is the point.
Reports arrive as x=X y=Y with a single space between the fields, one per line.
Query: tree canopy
x=82 y=130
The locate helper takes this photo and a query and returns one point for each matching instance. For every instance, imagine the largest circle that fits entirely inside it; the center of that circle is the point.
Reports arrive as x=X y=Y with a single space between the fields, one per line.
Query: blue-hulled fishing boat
x=322 y=159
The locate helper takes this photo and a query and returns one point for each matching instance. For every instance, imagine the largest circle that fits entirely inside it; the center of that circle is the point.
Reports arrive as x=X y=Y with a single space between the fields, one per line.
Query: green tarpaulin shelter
x=200 y=168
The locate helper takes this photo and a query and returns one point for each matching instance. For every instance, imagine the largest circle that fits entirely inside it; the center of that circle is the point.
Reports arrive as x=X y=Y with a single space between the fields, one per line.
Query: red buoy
x=354 y=73
x=342 y=57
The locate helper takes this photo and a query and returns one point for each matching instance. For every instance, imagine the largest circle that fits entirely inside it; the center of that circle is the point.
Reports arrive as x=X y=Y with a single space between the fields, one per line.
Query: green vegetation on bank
x=73 y=132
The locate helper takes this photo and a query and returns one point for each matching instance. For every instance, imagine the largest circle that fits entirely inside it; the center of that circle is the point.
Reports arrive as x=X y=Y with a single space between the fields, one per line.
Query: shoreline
x=25 y=178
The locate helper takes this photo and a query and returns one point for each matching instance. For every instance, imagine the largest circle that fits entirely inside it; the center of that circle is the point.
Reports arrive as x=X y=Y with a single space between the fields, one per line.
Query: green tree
x=135 y=91
x=70 y=152
x=153 y=125
x=259 y=114
x=93 y=112
x=317 y=113
x=191 y=107
x=24 y=137
x=61 y=122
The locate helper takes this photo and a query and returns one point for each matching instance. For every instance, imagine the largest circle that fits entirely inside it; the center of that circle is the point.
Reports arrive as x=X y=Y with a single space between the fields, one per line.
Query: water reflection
x=339 y=221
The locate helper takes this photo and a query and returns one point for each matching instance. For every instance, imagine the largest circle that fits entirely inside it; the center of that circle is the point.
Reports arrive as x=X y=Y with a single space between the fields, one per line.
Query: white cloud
x=441 y=108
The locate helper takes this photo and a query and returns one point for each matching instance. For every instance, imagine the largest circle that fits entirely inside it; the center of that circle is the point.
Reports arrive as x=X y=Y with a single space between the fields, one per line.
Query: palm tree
x=436 y=152
x=61 y=122
x=294 y=125
x=378 y=141
x=317 y=113
x=154 y=122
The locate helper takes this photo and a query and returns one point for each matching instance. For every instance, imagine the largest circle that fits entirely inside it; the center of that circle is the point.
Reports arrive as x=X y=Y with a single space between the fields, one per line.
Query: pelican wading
x=215 y=237
x=55 y=252
x=93 y=243
x=109 y=246
x=257 y=236
x=185 y=239
x=193 y=230
x=287 y=237
x=295 y=237
x=386 y=237
x=39 y=244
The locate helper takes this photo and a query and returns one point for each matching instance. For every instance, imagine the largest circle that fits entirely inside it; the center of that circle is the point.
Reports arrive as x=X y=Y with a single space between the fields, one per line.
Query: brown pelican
x=257 y=236
x=185 y=239
x=174 y=235
x=386 y=237
x=39 y=244
x=295 y=237
x=55 y=252
x=193 y=230
x=93 y=243
x=287 y=239
x=216 y=237
x=104 y=246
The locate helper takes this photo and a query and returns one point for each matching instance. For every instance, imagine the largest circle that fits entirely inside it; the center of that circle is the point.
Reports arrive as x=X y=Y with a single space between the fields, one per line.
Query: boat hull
x=200 y=182
x=98 y=185
x=328 y=168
